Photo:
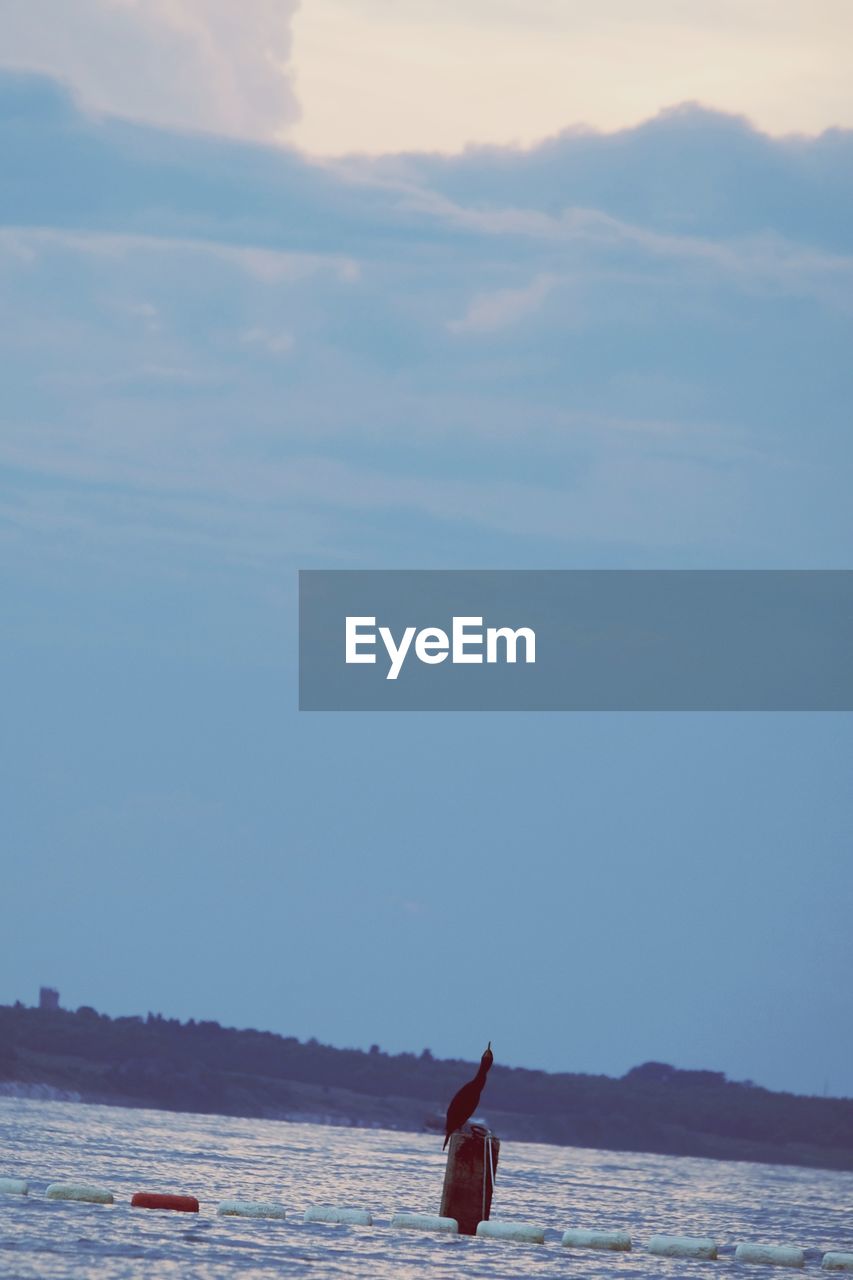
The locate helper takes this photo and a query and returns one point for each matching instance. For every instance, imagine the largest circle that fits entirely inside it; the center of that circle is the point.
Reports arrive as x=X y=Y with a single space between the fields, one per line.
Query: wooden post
x=463 y=1195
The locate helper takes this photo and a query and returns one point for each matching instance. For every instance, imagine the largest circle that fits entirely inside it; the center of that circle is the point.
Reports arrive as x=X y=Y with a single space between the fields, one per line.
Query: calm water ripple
x=216 y=1158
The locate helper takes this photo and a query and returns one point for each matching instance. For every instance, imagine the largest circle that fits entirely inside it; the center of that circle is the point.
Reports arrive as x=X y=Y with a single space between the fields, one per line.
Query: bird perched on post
x=464 y=1103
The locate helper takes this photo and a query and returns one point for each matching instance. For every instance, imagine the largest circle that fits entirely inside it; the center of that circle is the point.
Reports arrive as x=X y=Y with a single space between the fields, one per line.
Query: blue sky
x=225 y=360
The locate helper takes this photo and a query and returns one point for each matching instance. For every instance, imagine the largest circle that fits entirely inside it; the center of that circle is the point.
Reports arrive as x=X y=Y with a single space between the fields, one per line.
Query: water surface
x=217 y=1158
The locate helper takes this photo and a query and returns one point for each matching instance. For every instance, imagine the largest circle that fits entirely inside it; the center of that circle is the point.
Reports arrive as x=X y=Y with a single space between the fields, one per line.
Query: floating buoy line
x=664 y=1246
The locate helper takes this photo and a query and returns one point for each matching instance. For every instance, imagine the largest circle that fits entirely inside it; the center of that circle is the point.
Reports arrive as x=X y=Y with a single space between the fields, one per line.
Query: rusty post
x=467 y=1195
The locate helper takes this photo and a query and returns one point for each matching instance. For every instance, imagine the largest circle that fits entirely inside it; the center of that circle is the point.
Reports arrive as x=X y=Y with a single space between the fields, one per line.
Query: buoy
x=330 y=1213
x=834 y=1261
x=778 y=1255
x=683 y=1246
x=249 y=1209
x=14 y=1186
x=78 y=1191
x=469 y=1175
x=156 y=1200
x=519 y=1231
x=425 y=1222
x=577 y=1238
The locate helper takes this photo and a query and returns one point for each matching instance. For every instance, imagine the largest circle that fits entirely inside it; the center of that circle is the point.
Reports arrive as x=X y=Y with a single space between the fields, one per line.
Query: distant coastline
x=203 y=1067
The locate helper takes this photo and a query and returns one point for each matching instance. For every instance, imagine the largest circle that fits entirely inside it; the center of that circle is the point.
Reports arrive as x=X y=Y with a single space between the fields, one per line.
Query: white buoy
x=577 y=1238
x=331 y=1213
x=776 y=1255
x=521 y=1232
x=249 y=1209
x=14 y=1186
x=683 y=1246
x=78 y=1191
x=834 y=1261
x=425 y=1222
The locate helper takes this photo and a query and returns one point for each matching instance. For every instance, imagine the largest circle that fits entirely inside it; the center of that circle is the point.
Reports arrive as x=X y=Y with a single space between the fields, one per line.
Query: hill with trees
x=204 y=1067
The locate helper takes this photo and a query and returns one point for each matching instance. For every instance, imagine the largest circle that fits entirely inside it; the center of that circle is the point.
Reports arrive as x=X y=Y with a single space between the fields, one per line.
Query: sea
x=298 y=1165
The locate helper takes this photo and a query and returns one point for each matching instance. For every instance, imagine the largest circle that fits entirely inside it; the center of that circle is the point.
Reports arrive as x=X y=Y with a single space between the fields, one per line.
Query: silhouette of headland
x=204 y=1067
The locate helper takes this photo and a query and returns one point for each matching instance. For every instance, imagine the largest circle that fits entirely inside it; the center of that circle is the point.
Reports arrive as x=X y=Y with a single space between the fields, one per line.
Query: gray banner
x=575 y=640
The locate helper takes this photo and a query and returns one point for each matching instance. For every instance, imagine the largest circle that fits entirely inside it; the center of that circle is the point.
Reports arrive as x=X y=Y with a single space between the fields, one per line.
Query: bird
x=464 y=1103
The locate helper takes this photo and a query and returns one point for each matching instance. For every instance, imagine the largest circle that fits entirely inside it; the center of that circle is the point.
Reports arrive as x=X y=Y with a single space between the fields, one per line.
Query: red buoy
x=154 y=1200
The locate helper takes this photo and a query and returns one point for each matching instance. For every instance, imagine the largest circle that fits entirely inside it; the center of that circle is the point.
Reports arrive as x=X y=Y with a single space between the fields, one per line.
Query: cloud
x=687 y=171
x=269 y=266
x=488 y=312
x=572 y=352
x=191 y=64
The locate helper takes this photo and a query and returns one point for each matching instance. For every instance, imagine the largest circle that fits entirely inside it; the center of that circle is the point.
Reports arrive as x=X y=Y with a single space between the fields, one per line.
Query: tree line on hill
x=202 y=1066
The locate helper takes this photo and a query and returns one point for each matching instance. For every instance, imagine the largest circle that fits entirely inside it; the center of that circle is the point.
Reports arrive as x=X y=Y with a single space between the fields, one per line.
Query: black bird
x=464 y=1103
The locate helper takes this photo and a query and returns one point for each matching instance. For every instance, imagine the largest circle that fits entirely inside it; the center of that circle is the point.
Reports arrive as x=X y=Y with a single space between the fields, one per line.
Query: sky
x=372 y=76
x=276 y=294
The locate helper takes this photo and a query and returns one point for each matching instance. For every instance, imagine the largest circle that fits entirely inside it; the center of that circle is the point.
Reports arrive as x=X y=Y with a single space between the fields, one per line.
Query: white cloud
x=488 y=312
x=213 y=65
